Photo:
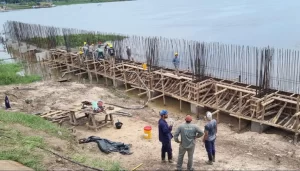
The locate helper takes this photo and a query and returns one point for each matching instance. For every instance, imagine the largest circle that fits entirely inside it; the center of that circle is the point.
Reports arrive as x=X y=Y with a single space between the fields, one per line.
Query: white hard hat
x=209 y=115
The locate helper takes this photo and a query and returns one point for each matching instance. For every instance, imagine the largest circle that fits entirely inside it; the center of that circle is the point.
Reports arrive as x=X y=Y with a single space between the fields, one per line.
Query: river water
x=247 y=22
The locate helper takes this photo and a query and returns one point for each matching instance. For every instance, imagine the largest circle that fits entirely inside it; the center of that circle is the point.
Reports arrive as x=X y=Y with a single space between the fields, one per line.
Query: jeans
x=210 y=149
x=181 y=156
x=166 y=148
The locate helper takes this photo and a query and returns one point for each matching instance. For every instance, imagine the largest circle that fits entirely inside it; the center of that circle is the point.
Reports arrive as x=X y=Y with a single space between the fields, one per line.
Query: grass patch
x=97 y=163
x=17 y=6
x=34 y=122
x=8 y=74
x=21 y=148
x=72 y=40
x=16 y=146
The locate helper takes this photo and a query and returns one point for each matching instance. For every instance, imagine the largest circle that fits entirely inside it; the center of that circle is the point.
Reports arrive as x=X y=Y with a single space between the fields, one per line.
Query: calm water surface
x=247 y=22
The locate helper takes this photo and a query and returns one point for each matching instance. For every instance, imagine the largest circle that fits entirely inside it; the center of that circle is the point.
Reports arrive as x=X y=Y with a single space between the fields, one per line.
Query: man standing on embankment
x=188 y=132
x=176 y=63
x=165 y=136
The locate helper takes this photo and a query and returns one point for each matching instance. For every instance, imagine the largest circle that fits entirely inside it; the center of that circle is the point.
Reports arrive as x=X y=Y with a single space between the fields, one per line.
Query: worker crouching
x=165 y=136
x=97 y=106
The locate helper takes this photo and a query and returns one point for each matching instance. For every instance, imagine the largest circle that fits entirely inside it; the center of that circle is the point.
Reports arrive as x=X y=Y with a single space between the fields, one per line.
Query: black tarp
x=108 y=146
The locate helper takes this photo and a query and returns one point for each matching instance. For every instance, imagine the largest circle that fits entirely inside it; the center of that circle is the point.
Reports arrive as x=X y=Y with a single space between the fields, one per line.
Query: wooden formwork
x=280 y=111
x=238 y=100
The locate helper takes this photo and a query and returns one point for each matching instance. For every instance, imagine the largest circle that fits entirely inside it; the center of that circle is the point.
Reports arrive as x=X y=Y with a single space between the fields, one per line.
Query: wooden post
x=263 y=109
x=217 y=98
x=240 y=101
x=163 y=90
x=138 y=73
x=124 y=73
x=94 y=61
x=104 y=64
x=88 y=70
x=239 y=124
x=180 y=94
x=218 y=119
x=297 y=122
x=197 y=93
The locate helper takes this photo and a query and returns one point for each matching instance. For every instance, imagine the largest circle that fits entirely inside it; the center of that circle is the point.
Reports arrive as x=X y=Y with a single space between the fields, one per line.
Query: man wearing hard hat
x=210 y=131
x=111 y=50
x=165 y=136
x=188 y=133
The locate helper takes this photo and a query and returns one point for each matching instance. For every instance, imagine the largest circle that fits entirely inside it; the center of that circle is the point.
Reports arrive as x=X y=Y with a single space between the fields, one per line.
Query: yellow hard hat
x=176 y=53
x=84 y=43
x=110 y=46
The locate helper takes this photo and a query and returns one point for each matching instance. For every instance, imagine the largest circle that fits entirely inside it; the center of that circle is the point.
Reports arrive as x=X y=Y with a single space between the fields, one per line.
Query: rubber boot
x=209 y=162
x=213 y=158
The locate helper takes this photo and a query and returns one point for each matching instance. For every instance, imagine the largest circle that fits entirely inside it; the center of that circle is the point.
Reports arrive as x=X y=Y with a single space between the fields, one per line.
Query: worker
x=97 y=106
x=7 y=104
x=111 y=51
x=128 y=52
x=210 y=131
x=188 y=133
x=176 y=62
x=165 y=136
x=106 y=48
x=80 y=50
x=91 y=50
x=100 y=54
x=85 y=49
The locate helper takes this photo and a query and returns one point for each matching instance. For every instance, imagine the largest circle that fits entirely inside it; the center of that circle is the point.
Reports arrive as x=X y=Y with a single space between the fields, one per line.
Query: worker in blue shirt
x=176 y=62
x=165 y=136
x=210 y=137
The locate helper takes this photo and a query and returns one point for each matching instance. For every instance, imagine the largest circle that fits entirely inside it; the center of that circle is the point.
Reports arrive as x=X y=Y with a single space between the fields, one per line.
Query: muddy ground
x=235 y=150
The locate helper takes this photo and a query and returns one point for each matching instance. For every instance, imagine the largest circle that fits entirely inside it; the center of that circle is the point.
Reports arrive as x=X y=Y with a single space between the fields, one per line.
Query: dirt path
x=243 y=151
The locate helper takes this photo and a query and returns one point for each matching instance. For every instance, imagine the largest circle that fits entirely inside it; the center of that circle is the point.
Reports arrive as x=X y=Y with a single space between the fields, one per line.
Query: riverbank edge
x=14 y=7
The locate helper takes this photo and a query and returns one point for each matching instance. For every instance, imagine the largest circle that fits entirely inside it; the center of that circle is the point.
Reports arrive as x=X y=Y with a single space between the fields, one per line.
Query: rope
x=66 y=158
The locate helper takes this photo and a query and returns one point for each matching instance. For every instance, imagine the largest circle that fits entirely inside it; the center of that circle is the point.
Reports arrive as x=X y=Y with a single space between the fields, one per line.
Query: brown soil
x=244 y=151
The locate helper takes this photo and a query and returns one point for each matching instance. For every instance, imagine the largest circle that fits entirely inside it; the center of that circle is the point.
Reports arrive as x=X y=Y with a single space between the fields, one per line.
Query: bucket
x=147 y=132
x=118 y=125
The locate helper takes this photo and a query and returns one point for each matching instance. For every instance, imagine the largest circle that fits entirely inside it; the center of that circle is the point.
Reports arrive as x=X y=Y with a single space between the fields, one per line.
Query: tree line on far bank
x=38 y=2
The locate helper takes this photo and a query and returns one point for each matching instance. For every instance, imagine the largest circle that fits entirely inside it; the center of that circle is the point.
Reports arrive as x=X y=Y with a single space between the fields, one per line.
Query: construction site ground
x=244 y=150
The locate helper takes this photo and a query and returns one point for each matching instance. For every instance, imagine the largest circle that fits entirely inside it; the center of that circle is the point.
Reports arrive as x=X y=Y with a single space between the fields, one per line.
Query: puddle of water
x=172 y=105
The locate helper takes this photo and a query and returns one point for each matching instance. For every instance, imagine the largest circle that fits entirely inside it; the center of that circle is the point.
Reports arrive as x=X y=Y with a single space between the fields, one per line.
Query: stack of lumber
x=56 y=115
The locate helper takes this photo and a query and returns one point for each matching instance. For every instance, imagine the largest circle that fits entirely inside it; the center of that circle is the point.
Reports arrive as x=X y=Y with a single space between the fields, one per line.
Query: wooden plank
x=275 y=119
x=49 y=114
x=237 y=89
x=156 y=97
x=285 y=100
x=219 y=92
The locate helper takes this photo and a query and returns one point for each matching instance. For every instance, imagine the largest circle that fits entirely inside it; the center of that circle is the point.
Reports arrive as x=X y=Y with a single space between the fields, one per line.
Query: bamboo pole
x=180 y=94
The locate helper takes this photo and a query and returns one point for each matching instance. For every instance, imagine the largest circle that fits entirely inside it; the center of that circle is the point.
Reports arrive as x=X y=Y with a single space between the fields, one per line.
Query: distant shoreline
x=13 y=7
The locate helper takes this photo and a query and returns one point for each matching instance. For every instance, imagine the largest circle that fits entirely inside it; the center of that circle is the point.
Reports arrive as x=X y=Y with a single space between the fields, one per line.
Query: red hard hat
x=188 y=118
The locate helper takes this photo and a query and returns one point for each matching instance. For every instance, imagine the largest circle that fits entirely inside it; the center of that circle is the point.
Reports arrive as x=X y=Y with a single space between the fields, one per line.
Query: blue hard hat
x=163 y=112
